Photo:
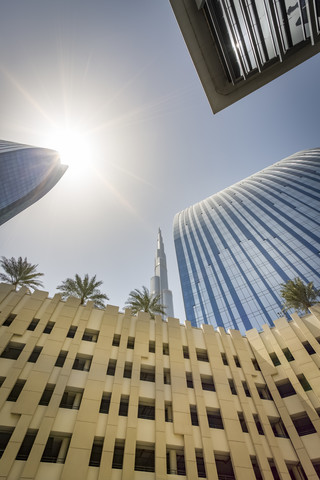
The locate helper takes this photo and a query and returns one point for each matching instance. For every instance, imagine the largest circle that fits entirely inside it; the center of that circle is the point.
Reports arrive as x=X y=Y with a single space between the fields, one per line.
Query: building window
x=264 y=392
x=278 y=428
x=285 y=389
x=207 y=383
x=111 y=367
x=71 y=398
x=256 y=468
x=72 y=331
x=232 y=387
x=16 y=390
x=274 y=470
x=166 y=376
x=146 y=409
x=33 y=324
x=147 y=373
x=127 y=372
x=304 y=382
x=82 y=362
x=288 y=354
x=255 y=364
x=56 y=449
x=185 y=351
x=189 y=379
x=258 y=424
x=35 y=354
x=118 y=452
x=96 y=452
x=303 y=424
x=200 y=464
x=130 y=343
x=165 y=349
x=246 y=389
x=61 y=358
x=236 y=361
x=144 y=459
x=202 y=355
x=90 y=335
x=2 y=379
x=116 y=340
x=275 y=359
x=224 y=467
x=194 y=415
x=49 y=327
x=214 y=418
x=152 y=346
x=47 y=394
x=168 y=415
x=224 y=359
x=242 y=422
x=105 y=402
x=5 y=435
x=12 y=350
x=123 y=406
x=175 y=462
x=308 y=347
x=9 y=320
x=26 y=445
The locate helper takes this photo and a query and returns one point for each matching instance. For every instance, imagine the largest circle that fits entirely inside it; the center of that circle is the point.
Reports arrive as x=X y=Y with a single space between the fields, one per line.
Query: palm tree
x=85 y=289
x=142 y=301
x=298 y=295
x=20 y=273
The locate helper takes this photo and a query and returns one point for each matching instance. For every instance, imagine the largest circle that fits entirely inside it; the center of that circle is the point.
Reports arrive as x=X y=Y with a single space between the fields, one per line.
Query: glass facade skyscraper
x=26 y=174
x=235 y=248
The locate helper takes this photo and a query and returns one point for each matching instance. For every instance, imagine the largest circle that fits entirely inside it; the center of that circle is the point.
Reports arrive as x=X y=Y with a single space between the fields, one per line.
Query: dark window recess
x=258 y=424
x=303 y=424
x=147 y=373
x=111 y=367
x=246 y=389
x=264 y=392
x=178 y=467
x=288 y=354
x=194 y=415
x=166 y=376
x=35 y=354
x=9 y=320
x=116 y=340
x=123 y=406
x=47 y=394
x=118 y=452
x=285 y=389
x=214 y=418
x=16 y=390
x=49 y=327
x=185 y=351
x=72 y=331
x=12 y=350
x=61 y=358
x=144 y=459
x=207 y=383
x=152 y=346
x=243 y=422
x=278 y=428
x=127 y=372
x=26 y=445
x=165 y=349
x=105 y=403
x=224 y=467
x=71 y=398
x=168 y=416
x=202 y=355
x=56 y=449
x=96 y=452
x=275 y=359
x=130 y=343
x=189 y=379
x=224 y=359
x=308 y=347
x=82 y=363
x=304 y=382
x=2 y=379
x=5 y=434
x=200 y=465
x=90 y=335
x=33 y=324
x=236 y=361
x=316 y=466
x=318 y=340
x=274 y=470
x=232 y=386
x=255 y=364
x=256 y=468
x=146 y=410
x=296 y=471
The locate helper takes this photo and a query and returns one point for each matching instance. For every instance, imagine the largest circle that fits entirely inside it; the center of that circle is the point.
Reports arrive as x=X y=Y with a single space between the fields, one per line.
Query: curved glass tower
x=235 y=248
x=26 y=174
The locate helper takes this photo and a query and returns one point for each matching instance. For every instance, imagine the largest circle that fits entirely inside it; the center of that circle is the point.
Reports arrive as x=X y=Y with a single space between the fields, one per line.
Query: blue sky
x=119 y=74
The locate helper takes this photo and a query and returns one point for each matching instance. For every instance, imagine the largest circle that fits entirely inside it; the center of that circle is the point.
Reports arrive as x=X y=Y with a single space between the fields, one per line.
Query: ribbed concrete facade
x=98 y=394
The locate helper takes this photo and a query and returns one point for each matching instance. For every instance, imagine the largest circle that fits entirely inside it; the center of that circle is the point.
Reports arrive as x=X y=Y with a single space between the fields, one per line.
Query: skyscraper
x=235 y=248
x=159 y=282
x=26 y=174
x=240 y=45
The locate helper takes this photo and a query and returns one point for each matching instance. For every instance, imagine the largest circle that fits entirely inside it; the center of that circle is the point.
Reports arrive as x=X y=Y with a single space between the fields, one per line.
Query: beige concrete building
x=97 y=394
